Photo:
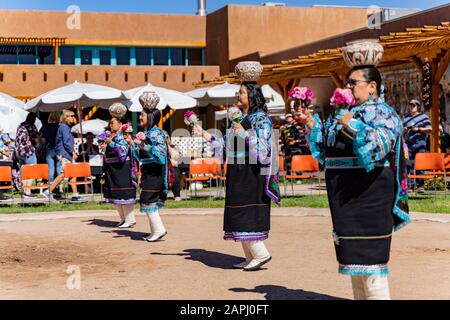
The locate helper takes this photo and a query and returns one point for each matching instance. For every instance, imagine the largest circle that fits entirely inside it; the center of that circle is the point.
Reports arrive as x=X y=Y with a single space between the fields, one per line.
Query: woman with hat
x=119 y=188
x=416 y=127
x=363 y=143
x=252 y=180
x=150 y=148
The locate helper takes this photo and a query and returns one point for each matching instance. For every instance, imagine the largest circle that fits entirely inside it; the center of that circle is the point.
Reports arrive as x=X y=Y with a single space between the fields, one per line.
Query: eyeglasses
x=353 y=82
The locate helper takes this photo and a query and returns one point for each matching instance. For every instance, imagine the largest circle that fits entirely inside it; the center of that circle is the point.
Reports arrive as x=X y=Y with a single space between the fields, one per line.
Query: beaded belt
x=347 y=163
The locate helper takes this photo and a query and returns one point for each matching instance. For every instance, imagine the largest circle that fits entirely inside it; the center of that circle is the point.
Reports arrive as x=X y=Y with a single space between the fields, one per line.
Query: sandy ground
x=193 y=262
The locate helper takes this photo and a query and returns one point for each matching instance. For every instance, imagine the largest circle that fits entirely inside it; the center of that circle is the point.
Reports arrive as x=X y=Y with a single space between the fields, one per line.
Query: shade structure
x=225 y=94
x=222 y=94
x=12 y=114
x=82 y=94
x=78 y=94
x=96 y=126
x=167 y=97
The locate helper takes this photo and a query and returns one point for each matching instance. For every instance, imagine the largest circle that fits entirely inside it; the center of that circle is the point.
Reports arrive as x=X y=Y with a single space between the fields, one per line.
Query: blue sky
x=190 y=6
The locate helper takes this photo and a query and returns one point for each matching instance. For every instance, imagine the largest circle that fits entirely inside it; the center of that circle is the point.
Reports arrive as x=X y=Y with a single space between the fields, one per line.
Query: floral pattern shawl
x=259 y=140
x=377 y=139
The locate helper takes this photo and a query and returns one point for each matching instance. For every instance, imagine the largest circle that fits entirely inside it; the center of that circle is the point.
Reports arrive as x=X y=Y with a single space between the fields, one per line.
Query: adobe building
x=43 y=50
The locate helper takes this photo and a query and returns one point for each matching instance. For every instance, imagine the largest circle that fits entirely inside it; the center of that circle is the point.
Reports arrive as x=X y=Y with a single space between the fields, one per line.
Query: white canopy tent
x=174 y=99
x=96 y=126
x=12 y=114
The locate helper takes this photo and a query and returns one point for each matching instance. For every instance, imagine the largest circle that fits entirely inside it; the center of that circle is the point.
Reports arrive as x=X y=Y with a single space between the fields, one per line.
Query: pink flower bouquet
x=190 y=118
x=342 y=98
x=235 y=114
x=139 y=137
x=303 y=94
x=126 y=128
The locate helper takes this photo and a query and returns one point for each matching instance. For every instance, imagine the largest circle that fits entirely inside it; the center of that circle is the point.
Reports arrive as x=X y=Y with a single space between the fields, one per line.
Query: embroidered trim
x=364 y=270
x=246 y=236
x=120 y=202
x=151 y=208
x=248 y=205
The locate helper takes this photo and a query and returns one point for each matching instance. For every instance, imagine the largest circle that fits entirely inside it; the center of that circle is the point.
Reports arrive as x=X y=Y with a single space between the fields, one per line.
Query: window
x=195 y=57
x=67 y=55
x=8 y=54
x=160 y=56
x=178 y=56
x=46 y=55
x=105 y=57
x=86 y=57
x=27 y=54
x=123 y=56
x=143 y=56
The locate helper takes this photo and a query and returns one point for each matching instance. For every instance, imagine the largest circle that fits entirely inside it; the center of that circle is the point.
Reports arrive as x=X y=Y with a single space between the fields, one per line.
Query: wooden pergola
x=420 y=47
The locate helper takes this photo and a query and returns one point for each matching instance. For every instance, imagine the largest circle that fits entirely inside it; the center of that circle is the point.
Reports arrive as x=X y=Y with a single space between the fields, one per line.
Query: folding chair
x=6 y=177
x=305 y=164
x=34 y=172
x=79 y=170
x=282 y=169
x=433 y=165
x=197 y=173
x=213 y=168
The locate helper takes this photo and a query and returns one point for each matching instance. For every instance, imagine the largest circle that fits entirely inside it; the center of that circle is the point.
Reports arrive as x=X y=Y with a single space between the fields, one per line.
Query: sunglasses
x=353 y=82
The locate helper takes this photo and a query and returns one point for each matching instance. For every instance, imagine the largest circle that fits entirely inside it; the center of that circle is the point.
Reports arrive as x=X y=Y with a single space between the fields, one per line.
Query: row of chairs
x=209 y=169
x=38 y=172
x=433 y=166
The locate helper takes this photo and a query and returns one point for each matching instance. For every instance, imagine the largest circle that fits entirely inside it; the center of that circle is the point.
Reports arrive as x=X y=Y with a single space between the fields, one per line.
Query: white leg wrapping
x=377 y=288
x=121 y=214
x=248 y=256
x=358 y=288
x=129 y=214
x=259 y=254
x=156 y=226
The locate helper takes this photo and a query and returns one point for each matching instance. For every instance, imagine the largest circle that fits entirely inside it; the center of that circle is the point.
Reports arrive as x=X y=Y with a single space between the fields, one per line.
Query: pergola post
x=284 y=86
x=438 y=68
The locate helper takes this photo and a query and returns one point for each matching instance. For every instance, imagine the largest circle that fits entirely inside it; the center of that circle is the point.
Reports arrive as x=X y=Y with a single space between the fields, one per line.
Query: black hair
x=31 y=118
x=256 y=100
x=370 y=73
x=153 y=118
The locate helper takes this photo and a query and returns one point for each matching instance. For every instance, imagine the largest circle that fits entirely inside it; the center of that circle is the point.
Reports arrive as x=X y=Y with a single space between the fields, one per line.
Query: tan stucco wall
x=108 y=27
x=34 y=85
x=272 y=29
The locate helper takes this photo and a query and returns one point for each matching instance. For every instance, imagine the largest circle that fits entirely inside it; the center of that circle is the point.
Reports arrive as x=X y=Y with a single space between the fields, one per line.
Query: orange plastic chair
x=32 y=172
x=432 y=163
x=305 y=164
x=197 y=172
x=79 y=170
x=6 y=176
x=281 y=164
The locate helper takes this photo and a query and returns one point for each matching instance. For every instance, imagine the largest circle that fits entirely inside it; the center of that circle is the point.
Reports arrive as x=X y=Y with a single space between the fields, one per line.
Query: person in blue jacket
x=65 y=152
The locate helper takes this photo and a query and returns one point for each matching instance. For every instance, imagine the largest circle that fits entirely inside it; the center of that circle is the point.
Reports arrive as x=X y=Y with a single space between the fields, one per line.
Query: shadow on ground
x=272 y=292
x=102 y=223
x=211 y=259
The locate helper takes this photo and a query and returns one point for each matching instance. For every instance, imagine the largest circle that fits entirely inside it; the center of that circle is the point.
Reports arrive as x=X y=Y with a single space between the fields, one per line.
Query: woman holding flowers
x=119 y=188
x=251 y=183
x=150 y=148
x=360 y=147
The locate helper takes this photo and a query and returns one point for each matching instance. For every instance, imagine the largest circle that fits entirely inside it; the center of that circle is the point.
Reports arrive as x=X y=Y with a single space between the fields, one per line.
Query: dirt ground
x=193 y=262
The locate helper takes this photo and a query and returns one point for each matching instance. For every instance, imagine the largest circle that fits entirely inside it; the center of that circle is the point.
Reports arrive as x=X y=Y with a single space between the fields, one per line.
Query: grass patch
x=418 y=203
